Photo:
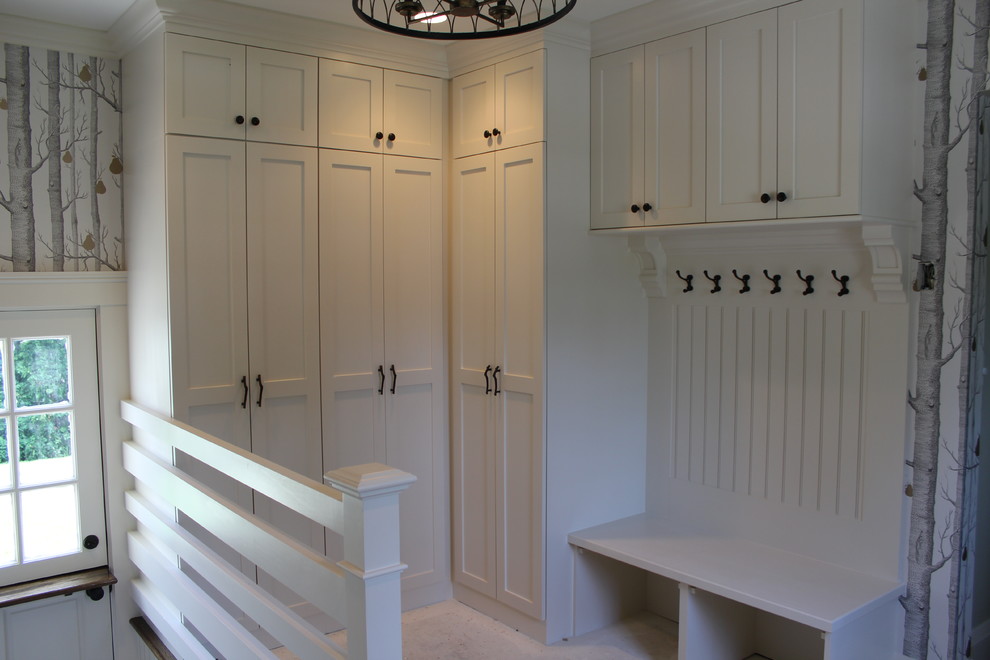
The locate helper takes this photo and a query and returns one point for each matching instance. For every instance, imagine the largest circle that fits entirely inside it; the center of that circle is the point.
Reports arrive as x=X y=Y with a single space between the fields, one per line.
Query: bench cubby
x=736 y=597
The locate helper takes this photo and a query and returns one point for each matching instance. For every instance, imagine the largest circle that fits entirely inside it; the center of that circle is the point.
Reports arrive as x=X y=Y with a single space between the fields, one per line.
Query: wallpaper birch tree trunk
x=70 y=154
x=87 y=75
x=971 y=318
x=54 y=145
x=20 y=204
x=931 y=358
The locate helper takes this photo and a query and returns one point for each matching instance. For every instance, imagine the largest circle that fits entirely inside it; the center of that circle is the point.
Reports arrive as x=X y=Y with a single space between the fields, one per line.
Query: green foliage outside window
x=41 y=378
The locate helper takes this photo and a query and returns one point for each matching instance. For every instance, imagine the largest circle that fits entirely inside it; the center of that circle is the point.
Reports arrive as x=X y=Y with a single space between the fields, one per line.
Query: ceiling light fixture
x=460 y=19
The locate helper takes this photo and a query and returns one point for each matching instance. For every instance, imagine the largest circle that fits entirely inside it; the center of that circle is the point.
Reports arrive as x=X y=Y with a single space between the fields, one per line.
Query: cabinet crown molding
x=215 y=19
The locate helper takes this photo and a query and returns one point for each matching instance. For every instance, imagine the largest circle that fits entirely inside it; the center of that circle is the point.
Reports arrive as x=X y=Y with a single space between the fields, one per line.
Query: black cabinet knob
x=488 y=134
x=391 y=137
x=255 y=121
x=496 y=132
x=634 y=208
x=239 y=119
x=91 y=542
x=647 y=207
x=379 y=135
x=765 y=198
x=781 y=197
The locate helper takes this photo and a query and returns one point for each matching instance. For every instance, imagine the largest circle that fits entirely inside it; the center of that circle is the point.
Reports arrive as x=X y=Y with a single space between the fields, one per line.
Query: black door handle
x=488 y=387
x=495 y=376
x=246 y=388
x=391 y=137
x=634 y=208
x=379 y=135
x=781 y=197
x=647 y=207
x=394 y=378
x=255 y=121
x=496 y=132
x=488 y=133
x=765 y=198
x=261 y=389
x=239 y=119
x=381 y=381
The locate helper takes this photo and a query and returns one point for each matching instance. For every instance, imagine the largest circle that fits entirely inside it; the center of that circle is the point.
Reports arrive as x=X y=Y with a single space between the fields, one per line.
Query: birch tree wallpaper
x=950 y=350
x=60 y=147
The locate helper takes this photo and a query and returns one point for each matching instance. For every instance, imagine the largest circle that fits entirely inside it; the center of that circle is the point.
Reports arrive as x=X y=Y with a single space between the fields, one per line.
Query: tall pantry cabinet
x=226 y=259
x=497 y=335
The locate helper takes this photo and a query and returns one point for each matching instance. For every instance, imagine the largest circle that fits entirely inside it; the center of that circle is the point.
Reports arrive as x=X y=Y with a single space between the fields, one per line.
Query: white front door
x=52 y=518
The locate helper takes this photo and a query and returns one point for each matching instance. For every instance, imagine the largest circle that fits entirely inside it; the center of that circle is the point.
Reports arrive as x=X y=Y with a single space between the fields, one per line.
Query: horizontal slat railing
x=361 y=590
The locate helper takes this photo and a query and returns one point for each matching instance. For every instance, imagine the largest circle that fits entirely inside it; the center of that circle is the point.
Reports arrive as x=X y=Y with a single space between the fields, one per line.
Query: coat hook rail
x=773 y=278
x=744 y=279
x=714 y=280
x=687 y=280
x=844 y=281
x=807 y=283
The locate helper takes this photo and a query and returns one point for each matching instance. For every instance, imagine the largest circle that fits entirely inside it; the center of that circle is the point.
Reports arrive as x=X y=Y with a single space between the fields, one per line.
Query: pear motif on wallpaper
x=89 y=243
x=116 y=167
x=67 y=157
x=100 y=188
x=3 y=104
x=84 y=74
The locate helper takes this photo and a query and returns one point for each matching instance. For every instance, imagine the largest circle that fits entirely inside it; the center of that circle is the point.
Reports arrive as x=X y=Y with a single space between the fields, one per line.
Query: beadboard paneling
x=768 y=403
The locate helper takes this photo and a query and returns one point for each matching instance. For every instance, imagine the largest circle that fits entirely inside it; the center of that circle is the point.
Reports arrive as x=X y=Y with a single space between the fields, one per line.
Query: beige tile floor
x=452 y=631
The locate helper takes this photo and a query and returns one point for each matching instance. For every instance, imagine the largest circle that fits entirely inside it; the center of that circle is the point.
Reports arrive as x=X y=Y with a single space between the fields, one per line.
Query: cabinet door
x=204 y=87
x=472 y=295
x=617 y=139
x=742 y=118
x=351 y=302
x=281 y=95
x=284 y=328
x=208 y=285
x=415 y=434
x=674 y=174
x=820 y=107
x=413 y=113
x=519 y=212
x=350 y=106
x=519 y=106
x=207 y=250
x=472 y=109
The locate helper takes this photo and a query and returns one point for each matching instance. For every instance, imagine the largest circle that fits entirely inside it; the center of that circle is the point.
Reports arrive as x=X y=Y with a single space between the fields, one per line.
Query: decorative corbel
x=652 y=264
x=886 y=243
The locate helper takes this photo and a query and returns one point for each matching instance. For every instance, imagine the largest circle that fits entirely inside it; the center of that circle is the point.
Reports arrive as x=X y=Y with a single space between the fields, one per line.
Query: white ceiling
x=101 y=14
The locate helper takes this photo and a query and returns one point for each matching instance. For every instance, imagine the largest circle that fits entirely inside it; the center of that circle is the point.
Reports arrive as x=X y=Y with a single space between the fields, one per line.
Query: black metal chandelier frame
x=460 y=19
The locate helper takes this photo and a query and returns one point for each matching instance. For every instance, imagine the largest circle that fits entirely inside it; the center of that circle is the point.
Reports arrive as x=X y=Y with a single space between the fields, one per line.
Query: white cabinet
x=243 y=287
x=784 y=112
x=648 y=125
x=364 y=108
x=754 y=118
x=382 y=340
x=499 y=106
x=220 y=89
x=497 y=375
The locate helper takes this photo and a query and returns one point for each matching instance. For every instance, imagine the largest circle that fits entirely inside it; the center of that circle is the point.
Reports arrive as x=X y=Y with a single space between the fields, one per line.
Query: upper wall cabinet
x=498 y=106
x=648 y=145
x=364 y=108
x=784 y=112
x=219 y=89
x=779 y=114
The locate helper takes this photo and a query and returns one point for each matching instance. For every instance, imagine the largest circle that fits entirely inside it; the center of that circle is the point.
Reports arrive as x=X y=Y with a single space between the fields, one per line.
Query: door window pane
x=5 y=478
x=50 y=522
x=44 y=448
x=8 y=538
x=41 y=372
x=3 y=379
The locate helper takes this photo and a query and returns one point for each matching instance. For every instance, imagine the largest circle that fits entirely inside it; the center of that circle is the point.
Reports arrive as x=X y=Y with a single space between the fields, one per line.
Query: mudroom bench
x=738 y=597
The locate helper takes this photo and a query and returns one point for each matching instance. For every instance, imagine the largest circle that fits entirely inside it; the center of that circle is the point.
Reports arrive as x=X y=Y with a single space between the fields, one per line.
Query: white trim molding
x=883 y=241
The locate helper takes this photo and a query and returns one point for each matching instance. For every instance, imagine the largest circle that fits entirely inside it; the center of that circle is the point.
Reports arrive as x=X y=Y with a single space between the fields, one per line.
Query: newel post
x=371 y=558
